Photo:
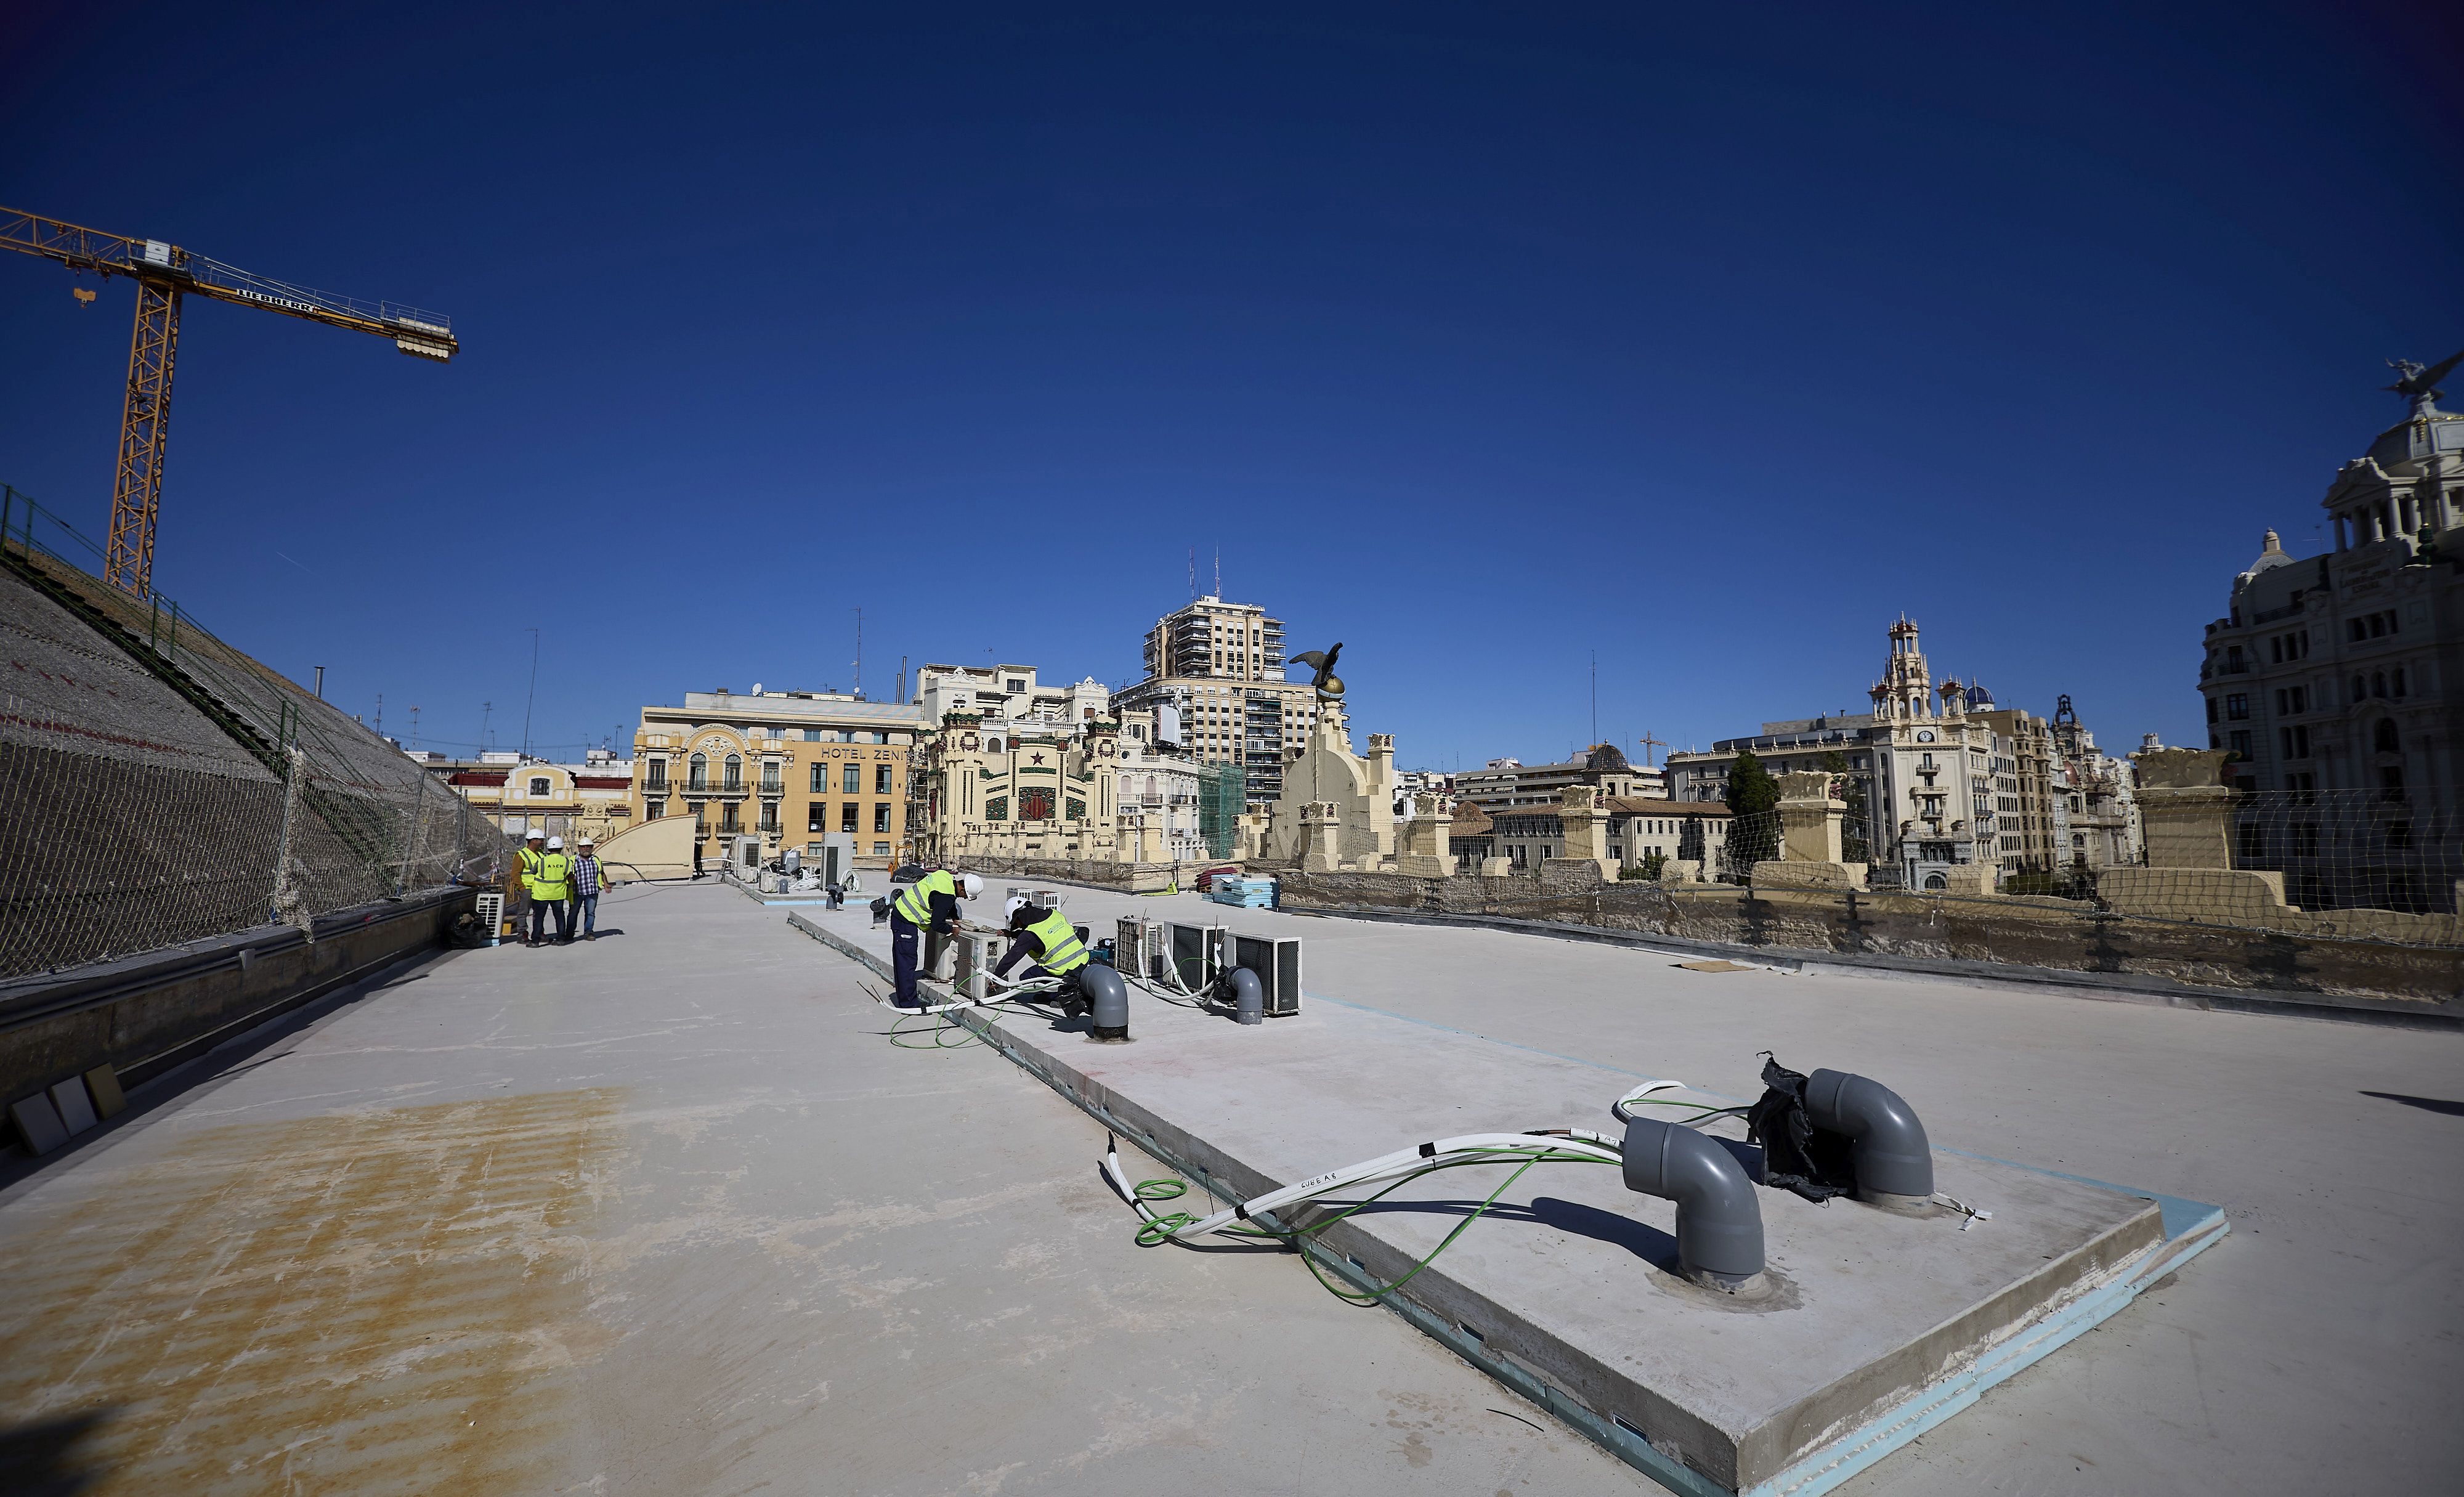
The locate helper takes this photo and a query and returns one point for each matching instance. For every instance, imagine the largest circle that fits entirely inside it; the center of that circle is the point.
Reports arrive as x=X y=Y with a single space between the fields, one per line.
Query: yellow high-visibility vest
x=915 y=905
x=550 y=883
x=1063 y=951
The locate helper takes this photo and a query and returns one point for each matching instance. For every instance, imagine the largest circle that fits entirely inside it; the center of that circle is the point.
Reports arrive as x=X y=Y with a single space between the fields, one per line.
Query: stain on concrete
x=383 y=1301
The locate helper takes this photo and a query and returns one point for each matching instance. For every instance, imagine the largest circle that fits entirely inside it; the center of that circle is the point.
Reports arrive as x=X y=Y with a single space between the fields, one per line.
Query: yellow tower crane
x=164 y=272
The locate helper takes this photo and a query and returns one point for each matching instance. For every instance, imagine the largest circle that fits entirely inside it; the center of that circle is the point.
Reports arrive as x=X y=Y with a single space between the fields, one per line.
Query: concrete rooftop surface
x=668 y=1214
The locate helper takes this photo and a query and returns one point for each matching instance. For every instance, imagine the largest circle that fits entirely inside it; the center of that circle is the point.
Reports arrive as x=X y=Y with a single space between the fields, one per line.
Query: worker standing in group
x=589 y=877
x=1053 y=942
x=929 y=904
x=526 y=868
x=549 y=887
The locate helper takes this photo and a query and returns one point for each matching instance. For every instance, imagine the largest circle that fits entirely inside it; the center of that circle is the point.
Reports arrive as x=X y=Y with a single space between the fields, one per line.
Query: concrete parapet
x=1786 y=874
x=1974 y=880
x=1586 y=829
x=2353 y=954
x=2217 y=896
x=1497 y=868
x=1321 y=836
x=2186 y=812
x=1809 y=819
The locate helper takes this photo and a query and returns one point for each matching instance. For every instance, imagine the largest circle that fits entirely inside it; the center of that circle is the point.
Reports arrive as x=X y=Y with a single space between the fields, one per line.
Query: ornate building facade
x=997 y=789
x=2340 y=677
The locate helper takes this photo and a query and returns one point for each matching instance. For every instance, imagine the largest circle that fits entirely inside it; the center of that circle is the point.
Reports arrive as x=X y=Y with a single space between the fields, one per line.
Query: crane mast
x=164 y=274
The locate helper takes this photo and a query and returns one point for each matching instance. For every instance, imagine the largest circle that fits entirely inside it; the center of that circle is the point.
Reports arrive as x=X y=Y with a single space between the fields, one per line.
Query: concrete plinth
x=1874 y=1325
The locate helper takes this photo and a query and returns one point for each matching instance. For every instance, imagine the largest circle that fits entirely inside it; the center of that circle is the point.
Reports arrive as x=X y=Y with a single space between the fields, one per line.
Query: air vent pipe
x=1248 y=994
x=1887 y=1145
x=1719 y=1221
x=1107 y=1002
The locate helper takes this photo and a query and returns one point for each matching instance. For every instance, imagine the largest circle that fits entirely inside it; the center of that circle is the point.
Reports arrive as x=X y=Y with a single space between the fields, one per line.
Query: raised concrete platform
x=1878 y=1327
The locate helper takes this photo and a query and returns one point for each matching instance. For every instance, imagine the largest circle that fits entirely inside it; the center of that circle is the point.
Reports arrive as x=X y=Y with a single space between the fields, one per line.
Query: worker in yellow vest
x=931 y=903
x=551 y=879
x=1053 y=942
x=526 y=865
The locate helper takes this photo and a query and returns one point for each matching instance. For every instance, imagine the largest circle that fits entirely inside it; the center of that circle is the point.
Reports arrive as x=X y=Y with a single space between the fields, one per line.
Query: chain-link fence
x=2352 y=850
x=2345 y=859
x=163 y=787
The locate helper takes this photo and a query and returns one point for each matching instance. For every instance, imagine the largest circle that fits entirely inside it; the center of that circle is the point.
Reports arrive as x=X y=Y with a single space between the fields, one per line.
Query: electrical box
x=1194 y=954
x=1276 y=960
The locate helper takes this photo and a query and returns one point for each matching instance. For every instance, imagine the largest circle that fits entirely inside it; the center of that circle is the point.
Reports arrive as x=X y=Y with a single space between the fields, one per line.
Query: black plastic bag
x=1797 y=1156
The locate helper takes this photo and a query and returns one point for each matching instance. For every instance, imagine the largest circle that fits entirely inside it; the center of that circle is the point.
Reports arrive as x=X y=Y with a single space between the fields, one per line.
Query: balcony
x=723 y=792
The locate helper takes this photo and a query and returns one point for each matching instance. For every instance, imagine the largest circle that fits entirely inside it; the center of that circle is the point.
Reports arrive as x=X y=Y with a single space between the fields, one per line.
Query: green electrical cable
x=1162 y=1228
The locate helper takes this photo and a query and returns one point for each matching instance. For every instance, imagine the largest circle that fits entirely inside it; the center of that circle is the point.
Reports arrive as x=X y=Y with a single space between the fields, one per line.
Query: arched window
x=697 y=772
x=2384 y=738
x=2378 y=683
x=735 y=772
x=2360 y=688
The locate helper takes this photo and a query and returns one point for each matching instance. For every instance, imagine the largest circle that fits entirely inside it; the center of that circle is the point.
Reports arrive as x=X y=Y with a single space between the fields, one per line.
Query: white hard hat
x=556 y=845
x=587 y=843
x=972 y=884
x=533 y=835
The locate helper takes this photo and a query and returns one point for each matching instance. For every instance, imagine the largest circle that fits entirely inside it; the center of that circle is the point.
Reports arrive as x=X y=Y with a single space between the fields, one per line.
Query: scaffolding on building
x=1223 y=795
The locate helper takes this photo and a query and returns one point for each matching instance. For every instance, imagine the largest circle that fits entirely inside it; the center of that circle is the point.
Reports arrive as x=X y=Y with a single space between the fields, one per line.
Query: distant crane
x=164 y=272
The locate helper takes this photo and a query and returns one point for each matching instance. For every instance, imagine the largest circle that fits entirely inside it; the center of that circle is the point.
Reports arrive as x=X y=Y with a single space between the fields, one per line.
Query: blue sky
x=1480 y=339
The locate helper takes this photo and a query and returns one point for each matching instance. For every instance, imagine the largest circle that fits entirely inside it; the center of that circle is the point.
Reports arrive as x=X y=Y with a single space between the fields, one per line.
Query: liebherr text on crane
x=164 y=273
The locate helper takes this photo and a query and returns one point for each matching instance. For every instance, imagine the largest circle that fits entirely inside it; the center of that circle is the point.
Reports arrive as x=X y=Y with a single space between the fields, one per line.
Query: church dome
x=1606 y=759
x=2430 y=431
x=2271 y=553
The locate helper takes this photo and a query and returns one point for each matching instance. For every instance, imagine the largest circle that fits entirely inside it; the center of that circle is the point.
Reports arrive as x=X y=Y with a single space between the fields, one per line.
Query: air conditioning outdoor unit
x=491 y=915
x=976 y=953
x=1276 y=960
x=1138 y=947
x=1194 y=954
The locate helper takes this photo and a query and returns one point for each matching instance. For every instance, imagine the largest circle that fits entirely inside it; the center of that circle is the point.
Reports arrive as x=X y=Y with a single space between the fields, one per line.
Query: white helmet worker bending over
x=929 y=904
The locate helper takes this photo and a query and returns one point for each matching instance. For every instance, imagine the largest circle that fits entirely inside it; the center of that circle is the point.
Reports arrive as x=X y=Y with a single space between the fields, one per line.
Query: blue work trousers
x=589 y=915
x=903 y=941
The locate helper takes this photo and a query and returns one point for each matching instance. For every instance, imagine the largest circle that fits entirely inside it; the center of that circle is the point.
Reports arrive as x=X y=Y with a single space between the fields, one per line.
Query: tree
x=1753 y=810
x=1854 y=844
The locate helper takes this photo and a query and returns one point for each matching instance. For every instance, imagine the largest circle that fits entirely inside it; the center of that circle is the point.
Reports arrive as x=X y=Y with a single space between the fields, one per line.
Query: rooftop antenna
x=533 y=698
x=415 y=727
x=380 y=715
x=1218 y=571
x=1192 y=574
x=1596 y=696
x=859 y=653
x=485 y=708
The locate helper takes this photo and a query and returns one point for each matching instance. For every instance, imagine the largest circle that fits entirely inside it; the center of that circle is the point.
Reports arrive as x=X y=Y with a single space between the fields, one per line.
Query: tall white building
x=1220 y=667
x=1923 y=765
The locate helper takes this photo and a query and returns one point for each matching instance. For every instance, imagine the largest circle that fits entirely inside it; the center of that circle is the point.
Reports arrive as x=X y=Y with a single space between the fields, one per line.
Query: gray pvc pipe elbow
x=1108 y=1001
x=1248 y=996
x=1886 y=1142
x=1719 y=1221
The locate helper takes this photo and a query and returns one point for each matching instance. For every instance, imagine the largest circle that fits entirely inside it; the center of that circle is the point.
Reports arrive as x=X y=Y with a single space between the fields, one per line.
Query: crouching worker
x=929 y=904
x=1047 y=936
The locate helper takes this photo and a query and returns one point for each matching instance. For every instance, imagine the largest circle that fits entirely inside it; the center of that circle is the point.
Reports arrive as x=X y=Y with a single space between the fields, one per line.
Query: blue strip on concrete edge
x=2190 y=1227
